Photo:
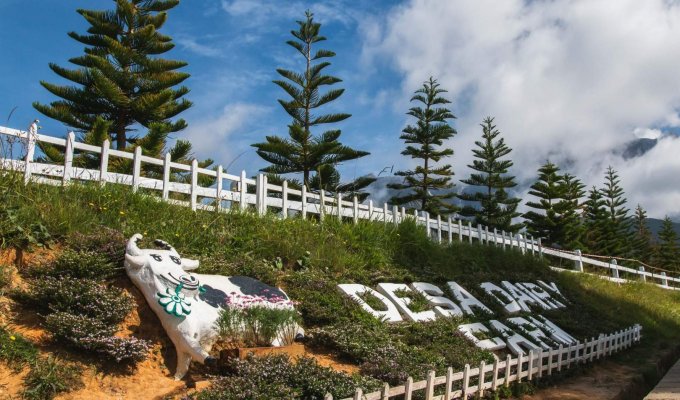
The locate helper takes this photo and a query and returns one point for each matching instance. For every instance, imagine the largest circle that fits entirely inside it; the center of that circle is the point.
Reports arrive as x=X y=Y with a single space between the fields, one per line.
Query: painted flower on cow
x=175 y=302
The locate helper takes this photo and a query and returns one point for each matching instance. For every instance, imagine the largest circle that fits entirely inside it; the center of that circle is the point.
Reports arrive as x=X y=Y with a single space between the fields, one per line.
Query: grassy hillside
x=308 y=259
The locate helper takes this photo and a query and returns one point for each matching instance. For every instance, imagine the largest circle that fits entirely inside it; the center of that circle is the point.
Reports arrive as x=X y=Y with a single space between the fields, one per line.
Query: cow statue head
x=165 y=273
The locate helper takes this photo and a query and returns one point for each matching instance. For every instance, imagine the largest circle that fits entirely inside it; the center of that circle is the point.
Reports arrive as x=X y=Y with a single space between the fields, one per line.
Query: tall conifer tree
x=495 y=207
x=617 y=237
x=667 y=253
x=424 y=141
x=642 y=242
x=570 y=208
x=120 y=78
x=304 y=152
x=594 y=220
x=546 y=222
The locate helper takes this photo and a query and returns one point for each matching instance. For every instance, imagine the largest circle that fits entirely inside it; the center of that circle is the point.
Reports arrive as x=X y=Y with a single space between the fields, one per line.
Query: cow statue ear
x=189 y=264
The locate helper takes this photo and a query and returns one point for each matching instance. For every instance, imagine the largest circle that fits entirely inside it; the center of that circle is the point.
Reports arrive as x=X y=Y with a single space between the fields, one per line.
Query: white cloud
x=194 y=46
x=222 y=137
x=258 y=13
x=566 y=79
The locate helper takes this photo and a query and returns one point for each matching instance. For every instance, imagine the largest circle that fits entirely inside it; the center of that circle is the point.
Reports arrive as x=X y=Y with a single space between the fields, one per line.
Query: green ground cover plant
x=269 y=249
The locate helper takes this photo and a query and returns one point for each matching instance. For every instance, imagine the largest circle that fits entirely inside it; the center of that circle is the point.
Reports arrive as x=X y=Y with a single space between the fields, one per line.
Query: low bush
x=5 y=278
x=79 y=297
x=258 y=320
x=79 y=264
x=16 y=351
x=276 y=377
x=50 y=377
x=107 y=242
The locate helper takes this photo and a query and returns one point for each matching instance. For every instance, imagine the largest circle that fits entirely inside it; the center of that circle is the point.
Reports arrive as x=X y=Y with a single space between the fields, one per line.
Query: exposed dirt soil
x=11 y=383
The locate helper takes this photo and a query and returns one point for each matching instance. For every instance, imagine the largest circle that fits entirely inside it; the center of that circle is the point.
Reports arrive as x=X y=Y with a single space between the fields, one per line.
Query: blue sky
x=233 y=49
x=572 y=81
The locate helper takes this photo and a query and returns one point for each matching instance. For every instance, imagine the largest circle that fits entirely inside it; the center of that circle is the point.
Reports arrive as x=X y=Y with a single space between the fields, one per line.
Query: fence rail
x=239 y=191
x=485 y=377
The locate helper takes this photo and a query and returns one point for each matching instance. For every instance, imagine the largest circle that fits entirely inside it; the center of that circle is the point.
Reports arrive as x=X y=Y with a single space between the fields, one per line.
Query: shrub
x=5 y=278
x=50 y=377
x=276 y=377
x=16 y=351
x=79 y=264
x=79 y=296
x=130 y=349
x=258 y=320
x=107 y=242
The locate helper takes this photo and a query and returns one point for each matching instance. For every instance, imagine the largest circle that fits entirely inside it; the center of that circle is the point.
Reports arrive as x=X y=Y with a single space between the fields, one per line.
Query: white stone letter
x=355 y=290
x=435 y=296
x=509 y=304
x=402 y=303
x=466 y=300
x=469 y=330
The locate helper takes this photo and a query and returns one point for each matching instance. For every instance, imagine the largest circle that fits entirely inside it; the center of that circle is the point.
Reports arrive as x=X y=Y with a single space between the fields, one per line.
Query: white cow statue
x=188 y=305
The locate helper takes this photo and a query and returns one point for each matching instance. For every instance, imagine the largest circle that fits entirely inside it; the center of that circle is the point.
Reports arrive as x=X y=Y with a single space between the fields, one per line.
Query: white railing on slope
x=233 y=190
x=501 y=373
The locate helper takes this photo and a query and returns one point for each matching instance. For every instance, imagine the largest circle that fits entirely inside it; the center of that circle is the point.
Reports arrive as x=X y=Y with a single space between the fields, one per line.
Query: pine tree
x=120 y=77
x=546 y=222
x=594 y=221
x=423 y=142
x=303 y=152
x=667 y=251
x=617 y=237
x=642 y=242
x=570 y=208
x=496 y=208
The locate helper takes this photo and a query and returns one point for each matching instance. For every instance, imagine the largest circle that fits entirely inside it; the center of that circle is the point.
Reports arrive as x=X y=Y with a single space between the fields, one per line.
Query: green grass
x=308 y=259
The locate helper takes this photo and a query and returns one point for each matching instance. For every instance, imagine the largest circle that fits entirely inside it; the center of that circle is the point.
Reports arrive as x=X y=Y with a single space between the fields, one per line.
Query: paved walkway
x=669 y=387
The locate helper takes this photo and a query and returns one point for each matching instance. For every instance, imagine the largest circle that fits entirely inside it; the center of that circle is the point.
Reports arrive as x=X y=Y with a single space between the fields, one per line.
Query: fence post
x=479 y=234
x=403 y=213
x=450 y=226
x=258 y=193
x=615 y=268
x=385 y=205
x=466 y=381
x=642 y=275
x=328 y=396
x=578 y=264
x=104 y=162
x=439 y=229
x=136 y=168
x=304 y=202
x=531 y=240
x=166 y=176
x=469 y=224
x=508 y=360
x=385 y=392
x=358 y=394
x=429 y=388
x=426 y=215
x=395 y=215
x=460 y=230
x=503 y=236
x=339 y=201
x=31 y=137
x=540 y=248
x=530 y=369
x=559 y=358
x=194 y=183
x=495 y=237
x=449 y=384
x=243 y=189
x=370 y=210
x=68 y=158
x=408 y=389
x=355 y=211
x=540 y=362
x=664 y=280
x=480 y=385
x=322 y=209
x=218 y=189
x=494 y=381
x=284 y=199
x=526 y=243
x=551 y=355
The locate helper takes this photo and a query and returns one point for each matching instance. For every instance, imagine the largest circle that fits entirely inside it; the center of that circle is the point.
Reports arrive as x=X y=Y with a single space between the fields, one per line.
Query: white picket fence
x=232 y=191
x=476 y=381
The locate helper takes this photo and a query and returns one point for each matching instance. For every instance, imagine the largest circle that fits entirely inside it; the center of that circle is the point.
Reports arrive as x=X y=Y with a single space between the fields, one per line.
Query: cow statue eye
x=176 y=260
x=157 y=257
